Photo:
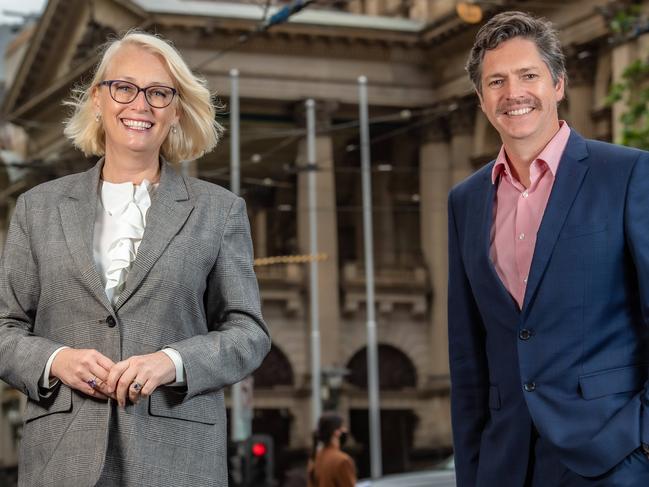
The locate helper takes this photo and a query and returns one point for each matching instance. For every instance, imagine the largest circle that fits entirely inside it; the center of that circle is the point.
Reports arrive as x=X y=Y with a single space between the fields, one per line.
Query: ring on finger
x=136 y=386
x=92 y=382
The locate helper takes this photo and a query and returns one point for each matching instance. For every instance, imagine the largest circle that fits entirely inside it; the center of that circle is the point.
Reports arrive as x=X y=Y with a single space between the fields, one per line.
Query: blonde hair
x=197 y=131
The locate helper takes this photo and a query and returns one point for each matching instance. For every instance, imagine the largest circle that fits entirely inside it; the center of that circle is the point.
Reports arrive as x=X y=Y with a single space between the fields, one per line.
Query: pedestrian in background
x=329 y=466
x=128 y=298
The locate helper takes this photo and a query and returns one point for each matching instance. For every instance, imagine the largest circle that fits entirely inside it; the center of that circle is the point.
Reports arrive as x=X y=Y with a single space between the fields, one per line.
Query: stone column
x=429 y=10
x=434 y=183
x=384 y=221
x=462 y=121
x=327 y=231
x=260 y=242
x=622 y=56
x=580 y=95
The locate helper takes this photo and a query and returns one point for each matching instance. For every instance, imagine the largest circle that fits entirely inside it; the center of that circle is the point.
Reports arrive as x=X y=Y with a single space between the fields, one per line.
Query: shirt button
x=521 y=236
x=525 y=334
x=525 y=194
x=525 y=280
x=110 y=321
x=529 y=387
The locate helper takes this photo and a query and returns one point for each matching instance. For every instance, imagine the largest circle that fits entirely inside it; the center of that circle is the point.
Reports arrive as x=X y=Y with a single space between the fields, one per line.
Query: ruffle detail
x=128 y=205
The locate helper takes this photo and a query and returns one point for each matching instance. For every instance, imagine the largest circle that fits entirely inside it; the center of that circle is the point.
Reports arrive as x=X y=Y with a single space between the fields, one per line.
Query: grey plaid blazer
x=191 y=287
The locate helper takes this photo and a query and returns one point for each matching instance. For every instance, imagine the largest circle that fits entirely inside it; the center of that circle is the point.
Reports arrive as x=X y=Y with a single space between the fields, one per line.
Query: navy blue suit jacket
x=575 y=359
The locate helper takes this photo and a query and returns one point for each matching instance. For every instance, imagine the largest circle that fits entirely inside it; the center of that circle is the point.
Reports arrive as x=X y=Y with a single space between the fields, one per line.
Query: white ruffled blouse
x=118 y=231
x=119 y=226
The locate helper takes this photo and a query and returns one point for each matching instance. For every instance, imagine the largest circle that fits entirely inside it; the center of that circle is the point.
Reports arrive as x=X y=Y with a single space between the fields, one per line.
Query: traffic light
x=260 y=464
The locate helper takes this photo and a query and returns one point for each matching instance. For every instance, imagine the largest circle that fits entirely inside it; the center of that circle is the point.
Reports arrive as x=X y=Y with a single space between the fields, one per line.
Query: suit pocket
x=169 y=403
x=59 y=402
x=572 y=231
x=613 y=381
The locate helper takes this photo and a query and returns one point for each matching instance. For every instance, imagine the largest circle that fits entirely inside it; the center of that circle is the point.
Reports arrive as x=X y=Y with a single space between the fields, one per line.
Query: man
x=548 y=285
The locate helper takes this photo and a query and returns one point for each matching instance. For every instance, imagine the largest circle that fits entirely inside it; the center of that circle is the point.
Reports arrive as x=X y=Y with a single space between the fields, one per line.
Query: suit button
x=529 y=387
x=525 y=334
x=110 y=321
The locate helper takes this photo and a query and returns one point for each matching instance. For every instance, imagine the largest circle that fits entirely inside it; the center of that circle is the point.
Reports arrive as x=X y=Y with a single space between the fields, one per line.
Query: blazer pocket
x=168 y=403
x=613 y=381
x=572 y=231
x=494 y=397
x=59 y=402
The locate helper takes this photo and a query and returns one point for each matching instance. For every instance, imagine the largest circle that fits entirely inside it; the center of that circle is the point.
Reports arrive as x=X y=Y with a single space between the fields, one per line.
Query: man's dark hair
x=508 y=25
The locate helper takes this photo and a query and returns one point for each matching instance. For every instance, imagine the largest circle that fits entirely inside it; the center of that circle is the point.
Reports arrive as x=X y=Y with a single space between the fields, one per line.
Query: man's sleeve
x=636 y=227
x=469 y=377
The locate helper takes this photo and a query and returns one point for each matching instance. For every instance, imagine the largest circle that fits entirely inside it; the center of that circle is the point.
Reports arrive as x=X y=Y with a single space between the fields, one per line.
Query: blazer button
x=110 y=321
x=525 y=334
x=529 y=387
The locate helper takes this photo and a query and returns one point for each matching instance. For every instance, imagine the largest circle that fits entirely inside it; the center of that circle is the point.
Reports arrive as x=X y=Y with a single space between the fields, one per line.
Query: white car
x=441 y=477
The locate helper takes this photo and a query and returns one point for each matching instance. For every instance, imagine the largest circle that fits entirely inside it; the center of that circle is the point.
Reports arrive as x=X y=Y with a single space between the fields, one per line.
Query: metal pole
x=372 y=348
x=316 y=404
x=239 y=432
x=235 y=185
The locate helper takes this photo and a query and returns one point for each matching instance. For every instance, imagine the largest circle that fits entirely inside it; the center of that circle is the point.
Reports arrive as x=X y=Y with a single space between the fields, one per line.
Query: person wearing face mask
x=128 y=298
x=329 y=466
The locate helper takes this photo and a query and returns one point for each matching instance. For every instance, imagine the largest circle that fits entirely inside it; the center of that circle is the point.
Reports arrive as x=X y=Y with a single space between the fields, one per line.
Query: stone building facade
x=428 y=133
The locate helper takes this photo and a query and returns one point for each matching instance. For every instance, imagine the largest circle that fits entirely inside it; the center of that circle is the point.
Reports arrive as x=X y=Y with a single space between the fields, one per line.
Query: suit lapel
x=169 y=210
x=78 y=220
x=485 y=241
x=569 y=177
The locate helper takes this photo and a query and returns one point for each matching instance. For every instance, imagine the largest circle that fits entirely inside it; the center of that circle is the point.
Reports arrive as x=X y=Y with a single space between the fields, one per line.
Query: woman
x=127 y=294
x=329 y=465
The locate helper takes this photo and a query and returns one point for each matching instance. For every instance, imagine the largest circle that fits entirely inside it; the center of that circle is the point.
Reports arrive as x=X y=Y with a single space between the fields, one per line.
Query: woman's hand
x=139 y=376
x=79 y=368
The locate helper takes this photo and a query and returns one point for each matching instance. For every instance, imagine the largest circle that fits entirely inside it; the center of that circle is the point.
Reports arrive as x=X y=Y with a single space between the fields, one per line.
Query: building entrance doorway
x=397 y=439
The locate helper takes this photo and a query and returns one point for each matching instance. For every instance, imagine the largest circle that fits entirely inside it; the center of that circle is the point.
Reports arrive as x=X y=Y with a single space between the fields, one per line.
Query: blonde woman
x=127 y=294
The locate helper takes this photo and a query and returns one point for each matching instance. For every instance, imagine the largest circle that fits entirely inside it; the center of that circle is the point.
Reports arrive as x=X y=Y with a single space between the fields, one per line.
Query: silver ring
x=136 y=386
x=92 y=382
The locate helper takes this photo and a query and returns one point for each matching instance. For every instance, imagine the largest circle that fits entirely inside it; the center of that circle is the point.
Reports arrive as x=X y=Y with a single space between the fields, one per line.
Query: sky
x=22 y=6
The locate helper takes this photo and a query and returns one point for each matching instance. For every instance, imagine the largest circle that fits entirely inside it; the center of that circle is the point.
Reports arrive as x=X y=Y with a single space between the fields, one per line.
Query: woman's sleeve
x=23 y=355
x=347 y=473
x=239 y=338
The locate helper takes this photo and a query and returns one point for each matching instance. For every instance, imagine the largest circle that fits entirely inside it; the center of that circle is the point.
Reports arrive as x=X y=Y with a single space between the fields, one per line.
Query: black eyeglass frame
x=109 y=83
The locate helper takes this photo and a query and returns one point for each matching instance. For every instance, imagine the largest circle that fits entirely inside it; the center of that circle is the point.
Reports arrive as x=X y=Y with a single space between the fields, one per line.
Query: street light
x=332 y=378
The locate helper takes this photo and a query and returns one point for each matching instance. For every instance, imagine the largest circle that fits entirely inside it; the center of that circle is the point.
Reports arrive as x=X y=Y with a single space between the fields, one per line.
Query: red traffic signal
x=259 y=449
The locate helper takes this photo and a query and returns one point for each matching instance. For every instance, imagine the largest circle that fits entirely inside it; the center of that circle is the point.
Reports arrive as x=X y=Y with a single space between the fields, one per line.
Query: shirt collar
x=551 y=154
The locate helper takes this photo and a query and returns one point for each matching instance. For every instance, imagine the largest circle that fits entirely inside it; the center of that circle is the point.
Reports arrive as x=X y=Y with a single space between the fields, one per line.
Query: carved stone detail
x=324 y=111
x=462 y=118
x=581 y=68
x=406 y=289
x=436 y=131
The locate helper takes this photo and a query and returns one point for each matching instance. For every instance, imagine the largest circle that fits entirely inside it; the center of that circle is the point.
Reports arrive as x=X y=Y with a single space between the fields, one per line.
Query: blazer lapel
x=569 y=177
x=78 y=220
x=169 y=210
x=485 y=240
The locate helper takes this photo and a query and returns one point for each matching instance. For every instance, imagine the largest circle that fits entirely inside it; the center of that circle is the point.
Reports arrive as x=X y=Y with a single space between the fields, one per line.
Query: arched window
x=275 y=370
x=396 y=370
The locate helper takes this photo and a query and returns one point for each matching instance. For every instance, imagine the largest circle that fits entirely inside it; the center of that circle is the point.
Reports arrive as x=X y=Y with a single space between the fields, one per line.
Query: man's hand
x=139 y=376
x=79 y=368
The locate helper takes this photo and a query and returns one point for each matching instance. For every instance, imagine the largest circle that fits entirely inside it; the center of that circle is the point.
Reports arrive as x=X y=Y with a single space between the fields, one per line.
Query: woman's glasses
x=158 y=96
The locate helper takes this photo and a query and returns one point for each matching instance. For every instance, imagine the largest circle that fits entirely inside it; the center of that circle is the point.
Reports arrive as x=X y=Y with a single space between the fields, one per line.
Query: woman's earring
x=97 y=117
x=174 y=130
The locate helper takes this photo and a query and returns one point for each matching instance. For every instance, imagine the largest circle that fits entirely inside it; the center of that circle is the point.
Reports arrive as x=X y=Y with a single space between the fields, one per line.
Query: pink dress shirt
x=518 y=213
